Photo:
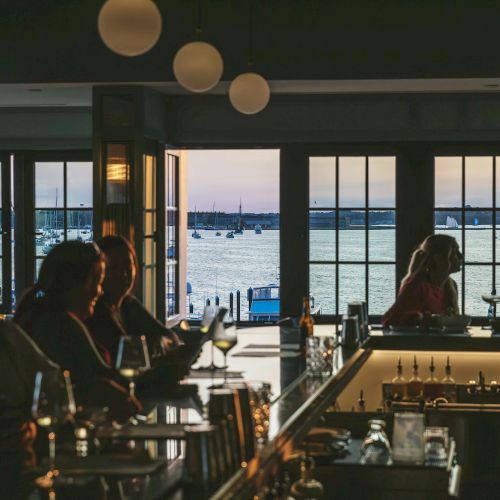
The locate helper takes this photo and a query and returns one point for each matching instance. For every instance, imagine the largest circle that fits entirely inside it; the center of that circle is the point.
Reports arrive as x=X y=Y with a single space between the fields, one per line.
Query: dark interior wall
x=45 y=129
x=57 y=40
x=211 y=120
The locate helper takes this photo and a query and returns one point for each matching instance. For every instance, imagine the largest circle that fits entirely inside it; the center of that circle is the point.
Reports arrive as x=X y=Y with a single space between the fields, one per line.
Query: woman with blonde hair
x=428 y=288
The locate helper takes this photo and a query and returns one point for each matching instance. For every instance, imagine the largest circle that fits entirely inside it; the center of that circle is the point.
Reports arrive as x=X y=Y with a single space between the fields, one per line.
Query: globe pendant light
x=198 y=66
x=129 y=27
x=249 y=92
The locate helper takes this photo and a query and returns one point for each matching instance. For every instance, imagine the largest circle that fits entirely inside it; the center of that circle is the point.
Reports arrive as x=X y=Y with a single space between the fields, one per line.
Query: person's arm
x=407 y=309
x=139 y=321
x=83 y=360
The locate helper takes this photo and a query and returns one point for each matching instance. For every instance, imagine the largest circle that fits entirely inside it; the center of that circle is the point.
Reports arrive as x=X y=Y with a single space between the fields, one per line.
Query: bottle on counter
x=415 y=384
x=398 y=384
x=432 y=386
x=307 y=486
x=449 y=384
x=306 y=322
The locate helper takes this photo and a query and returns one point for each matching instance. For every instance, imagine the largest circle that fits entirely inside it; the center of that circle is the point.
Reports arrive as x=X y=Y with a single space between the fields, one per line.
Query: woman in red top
x=428 y=288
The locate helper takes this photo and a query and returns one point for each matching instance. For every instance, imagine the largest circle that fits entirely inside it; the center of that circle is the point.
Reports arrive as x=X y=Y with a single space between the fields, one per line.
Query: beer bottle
x=306 y=323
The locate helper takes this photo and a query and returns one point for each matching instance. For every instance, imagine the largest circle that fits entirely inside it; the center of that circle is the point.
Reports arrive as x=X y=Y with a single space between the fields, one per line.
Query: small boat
x=258 y=229
x=230 y=234
x=218 y=233
x=265 y=304
x=451 y=223
x=196 y=235
x=238 y=230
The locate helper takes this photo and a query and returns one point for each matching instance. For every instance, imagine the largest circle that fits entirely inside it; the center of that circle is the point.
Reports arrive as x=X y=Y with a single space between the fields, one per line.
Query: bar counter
x=301 y=401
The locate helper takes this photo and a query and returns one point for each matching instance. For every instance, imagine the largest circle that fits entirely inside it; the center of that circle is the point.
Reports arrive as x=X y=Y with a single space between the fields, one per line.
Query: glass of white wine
x=132 y=359
x=225 y=338
x=53 y=404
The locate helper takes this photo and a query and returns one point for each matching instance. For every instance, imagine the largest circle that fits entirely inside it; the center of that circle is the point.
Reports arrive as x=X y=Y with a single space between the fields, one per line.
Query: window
x=171 y=233
x=233 y=237
x=352 y=227
x=63 y=204
x=466 y=201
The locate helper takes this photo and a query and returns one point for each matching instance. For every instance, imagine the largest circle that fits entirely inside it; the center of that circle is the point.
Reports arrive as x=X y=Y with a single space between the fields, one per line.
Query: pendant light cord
x=250 y=33
x=199 y=26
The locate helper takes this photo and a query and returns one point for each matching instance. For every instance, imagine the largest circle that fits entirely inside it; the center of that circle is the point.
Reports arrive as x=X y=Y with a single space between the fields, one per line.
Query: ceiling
x=80 y=94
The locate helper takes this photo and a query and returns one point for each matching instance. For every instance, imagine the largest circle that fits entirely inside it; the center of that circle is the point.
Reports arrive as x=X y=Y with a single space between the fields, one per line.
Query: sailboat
x=53 y=235
x=239 y=227
x=451 y=223
x=195 y=234
x=217 y=233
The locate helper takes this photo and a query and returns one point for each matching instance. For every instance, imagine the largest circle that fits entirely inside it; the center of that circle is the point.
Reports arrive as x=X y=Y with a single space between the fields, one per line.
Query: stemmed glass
x=492 y=299
x=132 y=359
x=225 y=337
x=208 y=323
x=53 y=404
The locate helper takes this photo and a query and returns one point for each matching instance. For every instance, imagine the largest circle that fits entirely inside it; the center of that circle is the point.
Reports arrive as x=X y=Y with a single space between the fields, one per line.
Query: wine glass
x=225 y=337
x=492 y=299
x=207 y=326
x=132 y=359
x=53 y=404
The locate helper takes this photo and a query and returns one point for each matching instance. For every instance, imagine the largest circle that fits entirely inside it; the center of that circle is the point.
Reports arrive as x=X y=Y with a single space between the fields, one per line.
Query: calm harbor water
x=218 y=265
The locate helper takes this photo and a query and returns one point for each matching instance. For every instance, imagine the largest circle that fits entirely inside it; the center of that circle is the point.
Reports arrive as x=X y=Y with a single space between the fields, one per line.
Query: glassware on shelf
x=314 y=357
x=132 y=359
x=436 y=445
x=327 y=350
x=53 y=404
x=225 y=337
x=307 y=486
x=376 y=448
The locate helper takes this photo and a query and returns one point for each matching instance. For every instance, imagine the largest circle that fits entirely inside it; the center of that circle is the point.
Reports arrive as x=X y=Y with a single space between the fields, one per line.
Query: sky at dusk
x=49 y=183
x=224 y=176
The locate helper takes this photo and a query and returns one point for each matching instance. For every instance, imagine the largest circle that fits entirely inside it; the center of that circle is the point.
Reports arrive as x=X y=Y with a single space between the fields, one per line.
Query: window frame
x=463 y=153
x=171 y=161
x=366 y=209
x=24 y=194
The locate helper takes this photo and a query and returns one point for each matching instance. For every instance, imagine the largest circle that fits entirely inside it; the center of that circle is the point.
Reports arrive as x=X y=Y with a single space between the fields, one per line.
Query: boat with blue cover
x=265 y=304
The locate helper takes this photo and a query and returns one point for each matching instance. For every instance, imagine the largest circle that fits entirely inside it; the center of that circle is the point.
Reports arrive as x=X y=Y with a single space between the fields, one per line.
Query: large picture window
x=466 y=201
x=352 y=226
x=233 y=237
